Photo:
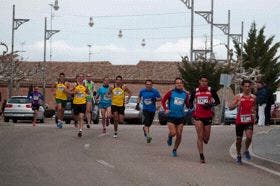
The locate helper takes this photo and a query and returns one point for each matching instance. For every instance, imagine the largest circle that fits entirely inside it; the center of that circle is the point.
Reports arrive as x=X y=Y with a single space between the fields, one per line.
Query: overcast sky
x=164 y=24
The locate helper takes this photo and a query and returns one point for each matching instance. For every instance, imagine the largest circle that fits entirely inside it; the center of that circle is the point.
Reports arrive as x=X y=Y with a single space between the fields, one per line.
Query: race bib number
x=202 y=100
x=60 y=88
x=118 y=92
x=148 y=101
x=246 y=118
x=36 y=98
x=80 y=95
x=178 y=101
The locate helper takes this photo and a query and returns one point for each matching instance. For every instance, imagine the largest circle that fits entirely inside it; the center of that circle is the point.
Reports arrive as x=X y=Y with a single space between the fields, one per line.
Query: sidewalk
x=266 y=144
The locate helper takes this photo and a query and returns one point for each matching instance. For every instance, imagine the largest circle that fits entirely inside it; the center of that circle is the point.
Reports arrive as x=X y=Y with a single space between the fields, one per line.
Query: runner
x=148 y=96
x=246 y=110
x=105 y=103
x=60 y=92
x=118 y=101
x=79 y=102
x=36 y=99
x=175 y=111
x=90 y=86
x=204 y=98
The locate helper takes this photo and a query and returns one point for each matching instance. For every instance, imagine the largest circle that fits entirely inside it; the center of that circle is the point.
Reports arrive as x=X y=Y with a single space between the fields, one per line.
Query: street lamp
x=120 y=34
x=91 y=23
x=89 y=52
x=15 y=25
x=143 y=43
x=55 y=7
x=47 y=35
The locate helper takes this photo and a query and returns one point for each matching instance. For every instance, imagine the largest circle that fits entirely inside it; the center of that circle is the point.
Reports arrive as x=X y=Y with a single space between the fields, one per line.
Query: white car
x=130 y=112
x=19 y=108
x=230 y=116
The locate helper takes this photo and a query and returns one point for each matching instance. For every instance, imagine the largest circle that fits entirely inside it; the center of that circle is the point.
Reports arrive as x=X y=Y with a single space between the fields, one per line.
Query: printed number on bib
x=80 y=95
x=118 y=92
x=36 y=98
x=148 y=101
x=178 y=101
x=245 y=118
x=202 y=100
x=61 y=89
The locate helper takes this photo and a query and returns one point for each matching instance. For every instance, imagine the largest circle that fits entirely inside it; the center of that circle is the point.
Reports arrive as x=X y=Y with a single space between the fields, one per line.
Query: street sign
x=225 y=79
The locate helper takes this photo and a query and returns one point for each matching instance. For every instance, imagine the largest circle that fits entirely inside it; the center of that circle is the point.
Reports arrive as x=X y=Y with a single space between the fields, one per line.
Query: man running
x=175 y=111
x=118 y=101
x=148 y=96
x=79 y=102
x=90 y=86
x=246 y=110
x=204 y=98
x=36 y=99
x=105 y=102
x=61 y=89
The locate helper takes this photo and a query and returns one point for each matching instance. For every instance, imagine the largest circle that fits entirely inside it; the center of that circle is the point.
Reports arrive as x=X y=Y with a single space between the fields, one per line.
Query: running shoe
x=247 y=155
x=174 y=153
x=115 y=135
x=169 y=140
x=80 y=134
x=88 y=126
x=145 y=134
x=202 y=158
x=238 y=160
x=149 y=139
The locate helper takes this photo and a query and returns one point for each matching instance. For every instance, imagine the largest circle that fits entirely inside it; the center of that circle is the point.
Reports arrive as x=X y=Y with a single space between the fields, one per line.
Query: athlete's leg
x=35 y=117
x=249 y=135
x=121 y=118
x=88 y=111
x=103 y=114
x=206 y=133
x=199 y=130
x=108 y=115
x=179 y=130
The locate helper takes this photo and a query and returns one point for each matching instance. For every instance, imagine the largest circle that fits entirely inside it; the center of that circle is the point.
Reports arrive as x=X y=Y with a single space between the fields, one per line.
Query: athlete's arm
x=234 y=103
x=164 y=100
x=158 y=97
x=191 y=100
x=215 y=97
x=126 y=89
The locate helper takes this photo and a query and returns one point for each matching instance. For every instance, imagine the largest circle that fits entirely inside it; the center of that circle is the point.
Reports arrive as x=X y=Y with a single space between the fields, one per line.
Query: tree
x=191 y=72
x=261 y=53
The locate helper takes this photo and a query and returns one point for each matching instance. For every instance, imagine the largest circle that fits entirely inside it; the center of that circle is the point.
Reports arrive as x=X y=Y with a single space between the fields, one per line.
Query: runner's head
x=61 y=78
x=246 y=86
x=80 y=78
x=203 y=81
x=106 y=81
x=88 y=77
x=179 y=83
x=149 y=84
x=36 y=89
x=118 y=80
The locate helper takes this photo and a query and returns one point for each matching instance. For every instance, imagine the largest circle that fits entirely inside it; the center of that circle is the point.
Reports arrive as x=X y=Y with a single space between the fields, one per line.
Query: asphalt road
x=45 y=155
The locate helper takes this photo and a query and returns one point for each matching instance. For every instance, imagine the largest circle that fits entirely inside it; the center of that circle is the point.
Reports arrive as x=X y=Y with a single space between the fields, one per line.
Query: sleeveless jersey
x=80 y=95
x=176 y=103
x=105 y=100
x=59 y=92
x=202 y=97
x=90 y=86
x=118 y=96
x=244 y=110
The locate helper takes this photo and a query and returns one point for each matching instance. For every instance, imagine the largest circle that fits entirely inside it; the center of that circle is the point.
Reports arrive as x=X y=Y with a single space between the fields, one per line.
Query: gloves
x=137 y=106
x=208 y=105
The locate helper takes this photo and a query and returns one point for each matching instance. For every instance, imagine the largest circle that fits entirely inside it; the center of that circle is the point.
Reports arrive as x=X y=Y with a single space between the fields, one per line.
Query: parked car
x=230 y=116
x=19 y=108
x=130 y=113
x=162 y=117
x=69 y=114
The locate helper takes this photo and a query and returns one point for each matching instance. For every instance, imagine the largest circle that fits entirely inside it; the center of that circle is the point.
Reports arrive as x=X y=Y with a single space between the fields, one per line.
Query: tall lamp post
x=89 y=52
x=47 y=35
x=55 y=7
x=15 y=25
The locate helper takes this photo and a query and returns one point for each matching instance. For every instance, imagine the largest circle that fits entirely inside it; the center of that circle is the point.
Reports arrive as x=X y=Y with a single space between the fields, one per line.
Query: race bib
x=80 y=95
x=118 y=92
x=178 y=101
x=107 y=97
x=246 y=118
x=148 y=101
x=202 y=100
x=36 y=98
x=60 y=88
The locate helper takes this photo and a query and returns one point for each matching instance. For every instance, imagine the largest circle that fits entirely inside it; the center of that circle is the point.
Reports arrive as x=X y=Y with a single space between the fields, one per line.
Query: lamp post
x=89 y=52
x=55 y=7
x=15 y=25
x=47 y=35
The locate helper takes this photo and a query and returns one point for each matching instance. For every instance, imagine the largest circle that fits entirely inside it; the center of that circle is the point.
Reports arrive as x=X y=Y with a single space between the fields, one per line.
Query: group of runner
x=174 y=103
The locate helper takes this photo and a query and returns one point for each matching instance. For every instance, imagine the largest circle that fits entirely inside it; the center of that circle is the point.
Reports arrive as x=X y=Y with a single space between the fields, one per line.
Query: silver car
x=19 y=108
x=130 y=112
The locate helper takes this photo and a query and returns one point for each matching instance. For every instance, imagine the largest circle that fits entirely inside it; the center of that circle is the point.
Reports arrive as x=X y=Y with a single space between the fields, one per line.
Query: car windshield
x=133 y=100
x=19 y=100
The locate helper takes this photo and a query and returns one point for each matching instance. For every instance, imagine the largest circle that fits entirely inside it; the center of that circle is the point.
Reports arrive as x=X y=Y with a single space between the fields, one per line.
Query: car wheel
x=14 y=120
x=42 y=121
x=6 y=119
x=68 y=121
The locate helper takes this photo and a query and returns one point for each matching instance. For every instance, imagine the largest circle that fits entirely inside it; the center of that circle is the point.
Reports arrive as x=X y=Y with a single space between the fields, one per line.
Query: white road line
x=102 y=162
x=232 y=152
